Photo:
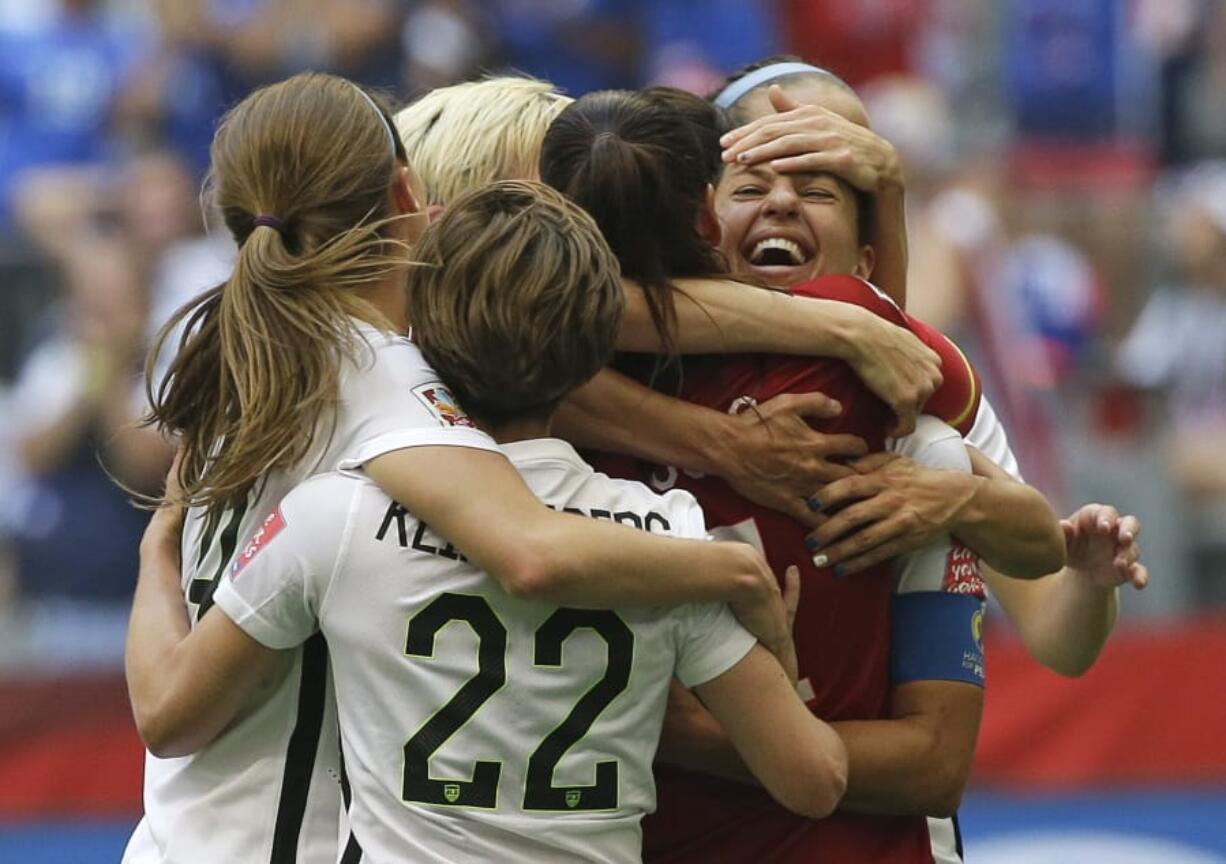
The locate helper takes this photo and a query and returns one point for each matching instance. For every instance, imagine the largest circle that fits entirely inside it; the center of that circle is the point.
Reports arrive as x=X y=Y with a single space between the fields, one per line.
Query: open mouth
x=778 y=252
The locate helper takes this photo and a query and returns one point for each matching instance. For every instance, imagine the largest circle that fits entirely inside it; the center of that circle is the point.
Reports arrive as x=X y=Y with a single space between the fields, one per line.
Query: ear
x=708 y=225
x=402 y=192
x=866 y=263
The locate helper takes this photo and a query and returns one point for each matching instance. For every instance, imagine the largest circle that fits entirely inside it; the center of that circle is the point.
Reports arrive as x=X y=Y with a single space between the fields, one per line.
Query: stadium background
x=1067 y=224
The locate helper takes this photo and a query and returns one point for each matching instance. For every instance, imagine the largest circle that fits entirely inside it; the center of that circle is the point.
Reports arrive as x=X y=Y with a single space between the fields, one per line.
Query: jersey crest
x=438 y=401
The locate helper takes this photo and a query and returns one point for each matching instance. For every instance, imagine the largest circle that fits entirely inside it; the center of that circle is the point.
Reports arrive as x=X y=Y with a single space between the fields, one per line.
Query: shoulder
x=935 y=444
x=851 y=289
x=678 y=512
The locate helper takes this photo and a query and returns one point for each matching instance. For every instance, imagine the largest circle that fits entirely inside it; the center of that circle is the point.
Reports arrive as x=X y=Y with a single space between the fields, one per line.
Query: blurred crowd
x=1066 y=173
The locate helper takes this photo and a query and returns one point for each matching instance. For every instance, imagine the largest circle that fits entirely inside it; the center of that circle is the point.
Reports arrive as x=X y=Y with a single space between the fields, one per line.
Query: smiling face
x=788 y=228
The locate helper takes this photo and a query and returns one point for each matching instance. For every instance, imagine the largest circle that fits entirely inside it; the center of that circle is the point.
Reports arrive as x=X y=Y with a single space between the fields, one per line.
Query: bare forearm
x=720 y=316
x=693 y=739
x=1064 y=619
x=1008 y=524
x=890 y=243
x=158 y=624
x=1011 y=527
x=618 y=415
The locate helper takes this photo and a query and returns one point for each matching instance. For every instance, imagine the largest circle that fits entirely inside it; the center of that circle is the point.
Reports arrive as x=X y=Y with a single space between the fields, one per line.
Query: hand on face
x=812 y=138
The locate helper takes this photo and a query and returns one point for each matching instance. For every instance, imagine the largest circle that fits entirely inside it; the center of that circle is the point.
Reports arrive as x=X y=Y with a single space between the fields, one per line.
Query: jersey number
x=482 y=789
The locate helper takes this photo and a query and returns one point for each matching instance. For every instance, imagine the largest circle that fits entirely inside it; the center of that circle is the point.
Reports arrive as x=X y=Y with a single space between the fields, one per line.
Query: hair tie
x=732 y=94
x=270 y=222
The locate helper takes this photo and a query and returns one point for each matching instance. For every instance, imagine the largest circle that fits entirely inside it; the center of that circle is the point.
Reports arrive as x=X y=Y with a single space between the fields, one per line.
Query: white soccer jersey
x=479 y=727
x=267 y=790
x=988 y=436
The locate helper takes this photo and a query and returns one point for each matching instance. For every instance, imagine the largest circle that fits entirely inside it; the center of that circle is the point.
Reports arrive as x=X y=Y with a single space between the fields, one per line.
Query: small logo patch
x=572 y=798
x=270 y=528
x=451 y=791
x=977 y=628
x=962 y=572
x=439 y=402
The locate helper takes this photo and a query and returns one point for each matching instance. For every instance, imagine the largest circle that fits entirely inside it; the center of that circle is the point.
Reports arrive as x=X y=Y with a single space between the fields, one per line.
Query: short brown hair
x=517 y=300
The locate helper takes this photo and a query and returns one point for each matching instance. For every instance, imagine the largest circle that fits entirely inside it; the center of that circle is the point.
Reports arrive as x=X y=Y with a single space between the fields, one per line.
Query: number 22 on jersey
x=491 y=675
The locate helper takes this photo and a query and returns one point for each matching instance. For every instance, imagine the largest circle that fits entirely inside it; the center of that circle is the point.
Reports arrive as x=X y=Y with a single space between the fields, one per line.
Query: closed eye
x=819 y=195
x=747 y=191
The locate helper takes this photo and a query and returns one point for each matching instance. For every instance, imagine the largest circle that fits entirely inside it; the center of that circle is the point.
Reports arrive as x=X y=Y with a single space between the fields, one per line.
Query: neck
x=518 y=430
x=388 y=295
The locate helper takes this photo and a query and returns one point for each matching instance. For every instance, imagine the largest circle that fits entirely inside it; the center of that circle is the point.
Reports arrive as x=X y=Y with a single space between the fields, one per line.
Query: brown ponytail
x=301 y=173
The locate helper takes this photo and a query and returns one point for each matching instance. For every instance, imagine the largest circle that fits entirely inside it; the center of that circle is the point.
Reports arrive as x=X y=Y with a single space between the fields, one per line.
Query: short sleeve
x=988 y=436
x=393 y=400
x=277 y=584
x=710 y=641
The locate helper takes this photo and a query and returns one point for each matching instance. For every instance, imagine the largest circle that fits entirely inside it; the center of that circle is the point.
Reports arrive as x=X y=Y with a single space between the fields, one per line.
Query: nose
x=782 y=199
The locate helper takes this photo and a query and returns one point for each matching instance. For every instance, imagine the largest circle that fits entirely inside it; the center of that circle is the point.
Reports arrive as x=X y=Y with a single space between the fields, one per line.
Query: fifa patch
x=962 y=573
x=271 y=527
x=438 y=401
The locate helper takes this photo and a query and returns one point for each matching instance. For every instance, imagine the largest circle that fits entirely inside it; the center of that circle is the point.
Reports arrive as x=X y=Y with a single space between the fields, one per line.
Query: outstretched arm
x=1065 y=618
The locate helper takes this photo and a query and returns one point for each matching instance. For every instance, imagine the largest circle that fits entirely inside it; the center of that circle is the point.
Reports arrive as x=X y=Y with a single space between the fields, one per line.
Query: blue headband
x=732 y=94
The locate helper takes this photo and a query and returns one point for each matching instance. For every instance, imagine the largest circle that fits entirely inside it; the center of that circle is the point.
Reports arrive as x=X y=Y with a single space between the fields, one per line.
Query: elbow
x=532 y=572
x=944 y=793
x=827 y=783
x=1067 y=664
x=162 y=735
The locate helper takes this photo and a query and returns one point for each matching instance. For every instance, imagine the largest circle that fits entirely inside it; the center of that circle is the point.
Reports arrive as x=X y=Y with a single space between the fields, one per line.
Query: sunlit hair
x=467 y=135
x=641 y=171
x=256 y=375
x=517 y=300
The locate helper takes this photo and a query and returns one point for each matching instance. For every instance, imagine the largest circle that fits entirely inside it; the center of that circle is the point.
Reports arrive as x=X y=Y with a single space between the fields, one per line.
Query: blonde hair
x=300 y=172
x=472 y=134
x=517 y=301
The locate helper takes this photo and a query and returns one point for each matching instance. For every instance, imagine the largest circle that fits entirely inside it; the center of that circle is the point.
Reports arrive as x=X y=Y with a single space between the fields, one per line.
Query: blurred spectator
x=72 y=413
x=858 y=41
x=693 y=44
x=444 y=41
x=61 y=77
x=579 y=45
x=1178 y=344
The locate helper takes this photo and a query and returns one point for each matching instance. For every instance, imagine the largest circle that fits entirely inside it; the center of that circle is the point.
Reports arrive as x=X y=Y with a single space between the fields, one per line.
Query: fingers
x=791 y=593
x=780 y=100
x=848 y=519
x=1107 y=519
x=876 y=555
x=814 y=406
x=1139 y=576
x=907 y=418
x=874 y=462
x=852 y=488
x=1129 y=529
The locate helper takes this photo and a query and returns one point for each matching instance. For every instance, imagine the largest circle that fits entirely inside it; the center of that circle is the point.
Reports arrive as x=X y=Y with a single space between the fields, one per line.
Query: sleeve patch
x=962 y=574
x=936 y=636
x=273 y=523
x=438 y=400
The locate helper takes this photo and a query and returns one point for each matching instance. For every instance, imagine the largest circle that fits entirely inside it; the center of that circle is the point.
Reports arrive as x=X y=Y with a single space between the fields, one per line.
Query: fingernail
x=811 y=544
x=840 y=572
x=744 y=157
x=820 y=560
x=814 y=504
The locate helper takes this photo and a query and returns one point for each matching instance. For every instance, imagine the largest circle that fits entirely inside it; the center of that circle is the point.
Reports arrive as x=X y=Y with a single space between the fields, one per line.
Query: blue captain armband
x=936 y=636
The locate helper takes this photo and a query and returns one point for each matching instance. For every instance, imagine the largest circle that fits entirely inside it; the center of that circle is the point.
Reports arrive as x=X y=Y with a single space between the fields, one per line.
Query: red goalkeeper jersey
x=842 y=627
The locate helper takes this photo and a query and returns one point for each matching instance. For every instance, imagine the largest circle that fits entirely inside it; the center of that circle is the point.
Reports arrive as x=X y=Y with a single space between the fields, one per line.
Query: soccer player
x=479 y=726
x=291 y=368
x=1065 y=617
x=860 y=658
